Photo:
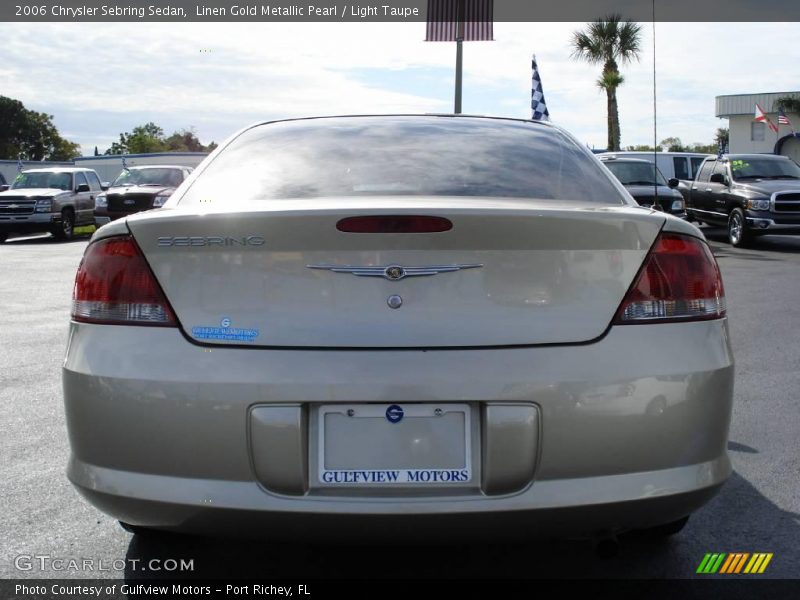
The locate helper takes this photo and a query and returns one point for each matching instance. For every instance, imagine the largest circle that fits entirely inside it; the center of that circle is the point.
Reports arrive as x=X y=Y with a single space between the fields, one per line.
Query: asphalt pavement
x=758 y=510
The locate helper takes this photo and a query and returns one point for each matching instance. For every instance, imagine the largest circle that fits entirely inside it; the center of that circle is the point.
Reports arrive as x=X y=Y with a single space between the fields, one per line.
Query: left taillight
x=115 y=286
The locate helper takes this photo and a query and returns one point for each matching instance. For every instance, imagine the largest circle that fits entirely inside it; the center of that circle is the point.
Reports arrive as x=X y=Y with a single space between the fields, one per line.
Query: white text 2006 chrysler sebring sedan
x=396 y=324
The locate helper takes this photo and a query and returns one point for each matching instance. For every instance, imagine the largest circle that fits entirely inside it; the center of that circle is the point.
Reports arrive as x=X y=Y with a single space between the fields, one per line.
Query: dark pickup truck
x=750 y=194
x=137 y=189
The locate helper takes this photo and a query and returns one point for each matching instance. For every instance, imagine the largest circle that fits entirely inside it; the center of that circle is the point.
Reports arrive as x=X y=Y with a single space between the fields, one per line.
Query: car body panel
x=202 y=455
x=549 y=274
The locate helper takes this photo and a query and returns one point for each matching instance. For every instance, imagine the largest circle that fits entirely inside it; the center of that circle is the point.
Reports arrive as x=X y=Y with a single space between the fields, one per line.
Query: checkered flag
x=124 y=163
x=19 y=163
x=538 y=106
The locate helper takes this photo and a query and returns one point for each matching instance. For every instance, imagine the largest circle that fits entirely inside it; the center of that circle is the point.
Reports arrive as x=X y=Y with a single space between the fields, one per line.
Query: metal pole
x=459 y=64
x=460 y=15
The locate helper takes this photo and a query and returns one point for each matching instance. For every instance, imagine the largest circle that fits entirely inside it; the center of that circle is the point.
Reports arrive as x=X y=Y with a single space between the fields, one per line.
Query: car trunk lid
x=507 y=272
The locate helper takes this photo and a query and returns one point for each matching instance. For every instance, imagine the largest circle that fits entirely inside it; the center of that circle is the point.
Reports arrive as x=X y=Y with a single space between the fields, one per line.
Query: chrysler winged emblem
x=394 y=272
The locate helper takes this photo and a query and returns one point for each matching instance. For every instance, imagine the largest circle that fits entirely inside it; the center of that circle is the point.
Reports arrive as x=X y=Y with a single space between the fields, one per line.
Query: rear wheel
x=65 y=229
x=738 y=233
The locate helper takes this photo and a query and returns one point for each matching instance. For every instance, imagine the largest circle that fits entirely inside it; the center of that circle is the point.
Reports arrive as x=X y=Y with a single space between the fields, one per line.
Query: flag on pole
x=783 y=119
x=19 y=163
x=762 y=117
x=722 y=148
x=124 y=163
x=475 y=17
x=538 y=107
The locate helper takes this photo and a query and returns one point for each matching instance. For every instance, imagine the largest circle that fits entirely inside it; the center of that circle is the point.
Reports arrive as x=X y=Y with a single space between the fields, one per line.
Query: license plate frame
x=461 y=473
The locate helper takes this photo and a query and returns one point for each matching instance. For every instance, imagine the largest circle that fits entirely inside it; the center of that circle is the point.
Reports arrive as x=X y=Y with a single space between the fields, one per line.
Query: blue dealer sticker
x=225 y=332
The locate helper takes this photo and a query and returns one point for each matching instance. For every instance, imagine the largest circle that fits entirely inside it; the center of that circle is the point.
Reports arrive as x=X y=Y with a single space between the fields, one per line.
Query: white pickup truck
x=54 y=199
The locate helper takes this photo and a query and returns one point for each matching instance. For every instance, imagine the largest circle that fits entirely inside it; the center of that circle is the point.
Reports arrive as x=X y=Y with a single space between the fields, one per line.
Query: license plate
x=394 y=444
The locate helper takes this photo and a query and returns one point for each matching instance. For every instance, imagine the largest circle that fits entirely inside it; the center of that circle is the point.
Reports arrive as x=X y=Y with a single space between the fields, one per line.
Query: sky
x=99 y=79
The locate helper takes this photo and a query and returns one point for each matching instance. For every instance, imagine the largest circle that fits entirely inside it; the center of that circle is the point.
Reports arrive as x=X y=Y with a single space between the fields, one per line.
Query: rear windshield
x=405 y=156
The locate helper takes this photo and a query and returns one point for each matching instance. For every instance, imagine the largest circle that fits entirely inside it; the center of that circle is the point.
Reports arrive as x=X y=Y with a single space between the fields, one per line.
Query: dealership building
x=750 y=136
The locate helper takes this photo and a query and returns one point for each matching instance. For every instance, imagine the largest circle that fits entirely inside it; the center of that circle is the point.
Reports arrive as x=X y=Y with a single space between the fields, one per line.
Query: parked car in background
x=54 y=199
x=646 y=184
x=138 y=188
x=399 y=326
x=750 y=194
x=682 y=166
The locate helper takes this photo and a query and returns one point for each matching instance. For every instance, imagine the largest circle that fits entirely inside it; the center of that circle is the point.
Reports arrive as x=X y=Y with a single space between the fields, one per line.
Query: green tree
x=672 y=144
x=186 y=140
x=144 y=138
x=30 y=134
x=151 y=138
x=609 y=41
x=703 y=148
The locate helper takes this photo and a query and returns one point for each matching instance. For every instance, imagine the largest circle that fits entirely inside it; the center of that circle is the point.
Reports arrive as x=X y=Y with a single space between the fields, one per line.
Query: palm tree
x=609 y=41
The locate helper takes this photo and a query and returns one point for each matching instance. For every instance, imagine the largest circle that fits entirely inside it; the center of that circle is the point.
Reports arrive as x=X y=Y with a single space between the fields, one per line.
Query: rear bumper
x=160 y=432
x=586 y=507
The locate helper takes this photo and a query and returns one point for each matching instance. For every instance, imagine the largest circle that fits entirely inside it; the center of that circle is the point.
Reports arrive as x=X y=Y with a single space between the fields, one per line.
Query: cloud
x=100 y=79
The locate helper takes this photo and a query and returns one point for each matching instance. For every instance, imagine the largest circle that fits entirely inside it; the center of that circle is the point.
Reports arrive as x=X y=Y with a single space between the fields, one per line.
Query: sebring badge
x=394 y=272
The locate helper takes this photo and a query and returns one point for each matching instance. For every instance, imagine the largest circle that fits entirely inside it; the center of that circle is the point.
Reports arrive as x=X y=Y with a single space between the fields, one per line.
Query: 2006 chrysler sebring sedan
x=394 y=326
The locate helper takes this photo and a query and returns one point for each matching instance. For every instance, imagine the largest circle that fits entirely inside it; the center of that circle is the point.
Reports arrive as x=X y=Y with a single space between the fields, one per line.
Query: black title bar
x=390 y=10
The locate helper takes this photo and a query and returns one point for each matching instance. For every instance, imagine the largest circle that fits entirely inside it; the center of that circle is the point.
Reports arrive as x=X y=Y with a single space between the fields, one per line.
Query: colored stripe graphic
x=732 y=558
x=759 y=562
x=733 y=563
x=741 y=562
x=711 y=563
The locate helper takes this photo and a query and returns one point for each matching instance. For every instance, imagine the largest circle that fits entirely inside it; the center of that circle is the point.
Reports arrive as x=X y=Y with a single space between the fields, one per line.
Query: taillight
x=680 y=281
x=115 y=286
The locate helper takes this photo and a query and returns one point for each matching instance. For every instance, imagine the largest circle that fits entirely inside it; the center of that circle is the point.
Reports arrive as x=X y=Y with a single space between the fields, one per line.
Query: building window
x=757 y=131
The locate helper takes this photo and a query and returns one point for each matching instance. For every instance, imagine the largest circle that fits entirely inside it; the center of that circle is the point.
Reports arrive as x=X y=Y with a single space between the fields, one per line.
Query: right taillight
x=679 y=281
x=115 y=286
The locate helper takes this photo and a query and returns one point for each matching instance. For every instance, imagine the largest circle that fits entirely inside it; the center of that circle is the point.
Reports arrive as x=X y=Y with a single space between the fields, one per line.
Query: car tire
x=738 y=233
x=66 y=228
x=666 y=530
